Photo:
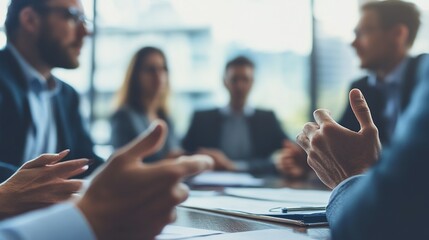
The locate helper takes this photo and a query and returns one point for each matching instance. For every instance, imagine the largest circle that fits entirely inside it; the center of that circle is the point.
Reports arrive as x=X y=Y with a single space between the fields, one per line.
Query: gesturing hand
x=128 y=199
x=39 y=183
x=336 y=153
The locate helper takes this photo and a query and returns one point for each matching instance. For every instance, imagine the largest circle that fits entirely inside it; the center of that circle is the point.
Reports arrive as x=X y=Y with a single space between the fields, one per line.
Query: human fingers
x=70 y=168
x=323 y=116
x=310 y=129
x=45 y=159
x=144 y=145
x=360 y=108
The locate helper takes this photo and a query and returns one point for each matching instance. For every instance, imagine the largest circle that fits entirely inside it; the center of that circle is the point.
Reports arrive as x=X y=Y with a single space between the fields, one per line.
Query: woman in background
x=141 y=100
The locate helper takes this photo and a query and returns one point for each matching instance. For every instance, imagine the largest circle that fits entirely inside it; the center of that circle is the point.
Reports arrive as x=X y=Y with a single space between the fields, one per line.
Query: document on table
x=310 y=197
x=261 y=234
x=229 y=203
x=172 y=232
x=257 y=209
x=228 y=179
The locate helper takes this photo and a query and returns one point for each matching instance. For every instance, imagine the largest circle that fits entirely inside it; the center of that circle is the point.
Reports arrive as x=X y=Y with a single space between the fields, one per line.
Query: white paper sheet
x=172 y=232
x=310 y=197
x=226 y=179
x=234 y=204
x=258 y=235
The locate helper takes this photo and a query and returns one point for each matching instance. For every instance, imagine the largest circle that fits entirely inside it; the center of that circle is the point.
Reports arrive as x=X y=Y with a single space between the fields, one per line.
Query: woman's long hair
x=131 y=94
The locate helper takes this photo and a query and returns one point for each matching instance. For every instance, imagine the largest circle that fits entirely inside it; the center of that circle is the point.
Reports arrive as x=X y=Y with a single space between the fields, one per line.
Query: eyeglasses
x=364 y=31
x=70 y=13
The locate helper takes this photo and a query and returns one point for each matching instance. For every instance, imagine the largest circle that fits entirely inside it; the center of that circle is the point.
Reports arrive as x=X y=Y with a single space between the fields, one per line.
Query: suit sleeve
x=6 y=170
x=391 y=202
x=277 y=136
x=84 y=145
x=190 y=140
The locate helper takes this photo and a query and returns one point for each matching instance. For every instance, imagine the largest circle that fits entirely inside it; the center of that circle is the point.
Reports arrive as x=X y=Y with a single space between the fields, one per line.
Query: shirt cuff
x=63 y=221
x=344 y=184
x=339 y=197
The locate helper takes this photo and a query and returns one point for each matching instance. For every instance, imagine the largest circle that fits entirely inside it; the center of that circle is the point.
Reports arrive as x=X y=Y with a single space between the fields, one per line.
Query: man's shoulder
x=5 y=65
x=264 y=113
x=207 y=112
x=206 y=117
x=66 y=90
x=360 y=83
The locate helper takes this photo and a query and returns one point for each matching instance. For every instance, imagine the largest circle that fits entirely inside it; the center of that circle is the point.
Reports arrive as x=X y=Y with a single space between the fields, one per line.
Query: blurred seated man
x=40 y=113
x=239 y=137
x=127 y=199
x=39 y=183
x=390 y=200
x=384 y=36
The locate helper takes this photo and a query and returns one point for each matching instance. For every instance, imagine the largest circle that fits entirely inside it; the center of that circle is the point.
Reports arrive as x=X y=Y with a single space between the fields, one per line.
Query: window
x=198 y=38
x=3 y=10
x=337 y=64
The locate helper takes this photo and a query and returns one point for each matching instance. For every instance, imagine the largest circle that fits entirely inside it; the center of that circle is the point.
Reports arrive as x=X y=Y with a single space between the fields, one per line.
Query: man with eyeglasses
x=384 y=36
x=39 y=112
x=127 y=199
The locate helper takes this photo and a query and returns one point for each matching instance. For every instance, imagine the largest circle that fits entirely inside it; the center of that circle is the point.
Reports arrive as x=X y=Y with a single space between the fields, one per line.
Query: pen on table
x=297 y=209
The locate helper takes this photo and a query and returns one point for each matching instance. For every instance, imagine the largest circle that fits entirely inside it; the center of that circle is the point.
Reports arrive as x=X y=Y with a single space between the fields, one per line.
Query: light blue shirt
x=391 y=86
x=42 y=133
x=235 y=137
x=63 y=221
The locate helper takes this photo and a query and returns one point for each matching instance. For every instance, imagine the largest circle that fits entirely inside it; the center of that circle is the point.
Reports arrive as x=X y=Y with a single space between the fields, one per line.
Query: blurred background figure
x=384 y=36
x=238 y=136
x=142 y=99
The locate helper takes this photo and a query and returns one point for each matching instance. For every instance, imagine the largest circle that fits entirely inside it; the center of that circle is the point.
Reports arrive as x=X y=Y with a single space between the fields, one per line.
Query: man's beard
x=54 y=54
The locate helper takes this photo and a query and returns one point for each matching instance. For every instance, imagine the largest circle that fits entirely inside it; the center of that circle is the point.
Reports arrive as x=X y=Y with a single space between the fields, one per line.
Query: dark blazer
x=15 y=117
x=375 y=103
x=391 y=201
x=266 y=134
x=6 y=170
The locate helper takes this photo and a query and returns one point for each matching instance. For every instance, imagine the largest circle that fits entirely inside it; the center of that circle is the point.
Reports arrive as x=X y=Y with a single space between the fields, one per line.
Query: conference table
x=219 y=222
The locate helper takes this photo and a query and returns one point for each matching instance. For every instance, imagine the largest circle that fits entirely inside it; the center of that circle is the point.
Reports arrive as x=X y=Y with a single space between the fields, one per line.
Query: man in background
x=390 y=200
x=384 y=36
x=238 y=136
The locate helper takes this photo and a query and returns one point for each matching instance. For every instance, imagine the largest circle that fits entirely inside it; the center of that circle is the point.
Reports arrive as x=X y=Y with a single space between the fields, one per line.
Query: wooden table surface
x=219 y=222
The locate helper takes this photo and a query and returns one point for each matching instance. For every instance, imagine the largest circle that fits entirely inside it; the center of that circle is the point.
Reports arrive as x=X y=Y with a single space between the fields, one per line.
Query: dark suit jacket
x=391 y=201
x=15 y=117
x=371 y=94
x=6 y=170
x=266 y=134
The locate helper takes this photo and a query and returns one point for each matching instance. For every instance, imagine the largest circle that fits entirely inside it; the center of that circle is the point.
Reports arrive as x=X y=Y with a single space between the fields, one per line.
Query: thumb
x=146 y=144
x=288 y=144
x=360 y=108
x=192 y=165
x=45 y=159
